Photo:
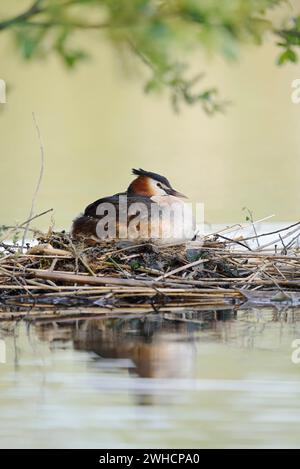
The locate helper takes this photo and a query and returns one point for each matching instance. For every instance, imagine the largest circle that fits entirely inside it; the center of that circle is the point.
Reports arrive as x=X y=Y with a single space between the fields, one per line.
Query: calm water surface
x=205 y=379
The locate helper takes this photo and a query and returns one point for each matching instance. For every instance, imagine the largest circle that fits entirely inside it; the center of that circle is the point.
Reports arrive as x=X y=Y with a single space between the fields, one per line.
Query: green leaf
x=30 y=41
x=287 y=56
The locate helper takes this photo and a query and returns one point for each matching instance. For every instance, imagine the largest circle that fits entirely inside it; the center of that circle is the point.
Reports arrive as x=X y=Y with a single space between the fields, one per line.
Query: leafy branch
x=164 y=34
x=289 y=42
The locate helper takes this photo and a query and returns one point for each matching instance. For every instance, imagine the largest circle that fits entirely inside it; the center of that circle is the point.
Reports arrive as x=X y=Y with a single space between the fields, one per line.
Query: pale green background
x=97 y=124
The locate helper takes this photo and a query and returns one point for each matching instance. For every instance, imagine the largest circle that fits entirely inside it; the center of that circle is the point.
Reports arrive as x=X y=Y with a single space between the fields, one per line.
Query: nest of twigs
x=56 y=273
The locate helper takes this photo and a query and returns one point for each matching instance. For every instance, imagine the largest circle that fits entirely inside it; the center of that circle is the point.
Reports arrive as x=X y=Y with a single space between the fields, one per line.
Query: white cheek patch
x=167 y=200
x=155 y=189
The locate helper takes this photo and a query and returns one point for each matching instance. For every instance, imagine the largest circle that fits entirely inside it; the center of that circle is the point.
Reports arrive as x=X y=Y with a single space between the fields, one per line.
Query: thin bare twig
x=182 y=268
x=32 y=11
x=42 y=155
x=23 y=224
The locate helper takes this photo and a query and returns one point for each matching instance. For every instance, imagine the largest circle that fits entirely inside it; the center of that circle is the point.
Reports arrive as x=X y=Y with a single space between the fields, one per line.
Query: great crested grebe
x=150 y=209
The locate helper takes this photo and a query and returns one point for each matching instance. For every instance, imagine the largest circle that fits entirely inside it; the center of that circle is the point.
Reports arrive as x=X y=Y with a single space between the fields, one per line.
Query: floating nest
x=54 y=275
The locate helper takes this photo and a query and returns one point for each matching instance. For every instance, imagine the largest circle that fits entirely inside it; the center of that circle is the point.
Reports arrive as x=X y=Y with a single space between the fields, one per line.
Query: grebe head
x=149 y=184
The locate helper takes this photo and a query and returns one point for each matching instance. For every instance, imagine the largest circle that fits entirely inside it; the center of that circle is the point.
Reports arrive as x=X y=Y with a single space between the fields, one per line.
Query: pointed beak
x=176 y=194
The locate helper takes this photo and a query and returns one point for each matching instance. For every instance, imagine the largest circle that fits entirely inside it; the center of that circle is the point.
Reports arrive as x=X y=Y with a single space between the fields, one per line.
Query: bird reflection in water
x=155 y=346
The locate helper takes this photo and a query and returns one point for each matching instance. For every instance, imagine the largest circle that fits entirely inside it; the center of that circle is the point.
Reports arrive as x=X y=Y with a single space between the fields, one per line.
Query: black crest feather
x=155 y=176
